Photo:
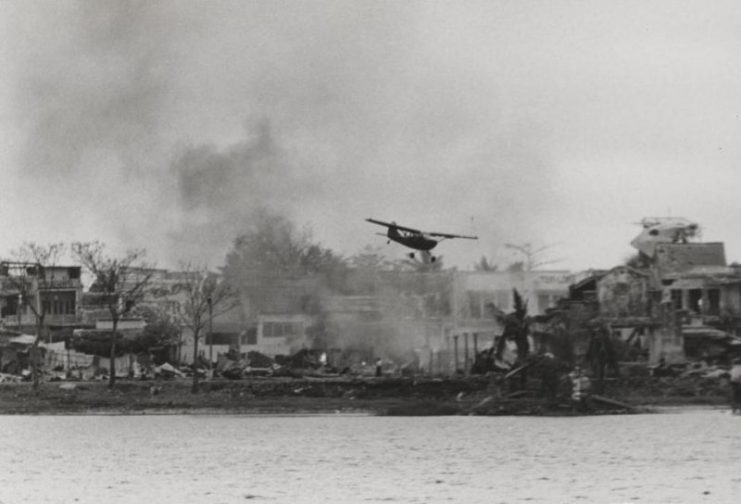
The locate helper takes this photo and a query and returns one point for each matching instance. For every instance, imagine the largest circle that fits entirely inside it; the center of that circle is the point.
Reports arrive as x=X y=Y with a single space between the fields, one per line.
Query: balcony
x=54 y=284
x=62 y=320
x=28 y=319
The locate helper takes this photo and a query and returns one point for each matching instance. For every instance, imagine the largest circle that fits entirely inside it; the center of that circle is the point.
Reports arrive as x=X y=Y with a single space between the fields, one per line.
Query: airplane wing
x=394 y=225
x=446 y=235
x=417 y=231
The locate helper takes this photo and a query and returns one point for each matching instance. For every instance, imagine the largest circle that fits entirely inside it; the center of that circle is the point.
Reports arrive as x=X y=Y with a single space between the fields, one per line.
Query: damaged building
x=478 y=296
x=702 y=295
x=677 y=300
x=409 y=318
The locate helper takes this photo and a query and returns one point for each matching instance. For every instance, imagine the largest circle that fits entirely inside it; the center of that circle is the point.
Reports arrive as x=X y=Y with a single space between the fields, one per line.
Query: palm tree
x=485 y=265
x=516 y=328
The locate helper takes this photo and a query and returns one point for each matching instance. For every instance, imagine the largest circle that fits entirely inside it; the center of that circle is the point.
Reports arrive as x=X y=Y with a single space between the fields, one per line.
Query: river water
x=685 y=457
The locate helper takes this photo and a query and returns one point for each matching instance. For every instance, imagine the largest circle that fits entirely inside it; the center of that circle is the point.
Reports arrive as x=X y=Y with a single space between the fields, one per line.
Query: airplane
x=423 y=241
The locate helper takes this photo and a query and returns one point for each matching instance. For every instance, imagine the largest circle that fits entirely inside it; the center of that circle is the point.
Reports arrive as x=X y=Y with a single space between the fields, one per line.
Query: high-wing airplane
x=423 y=241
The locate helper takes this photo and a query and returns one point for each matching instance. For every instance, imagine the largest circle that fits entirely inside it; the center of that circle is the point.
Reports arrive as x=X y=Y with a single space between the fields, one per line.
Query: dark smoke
x=93 y=97
x=92 y=90
x=221 y=190
x=364 y=119
x=231 y=180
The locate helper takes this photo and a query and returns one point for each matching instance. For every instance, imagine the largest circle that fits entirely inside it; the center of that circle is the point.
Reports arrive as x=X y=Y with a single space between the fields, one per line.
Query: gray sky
x=562 y=123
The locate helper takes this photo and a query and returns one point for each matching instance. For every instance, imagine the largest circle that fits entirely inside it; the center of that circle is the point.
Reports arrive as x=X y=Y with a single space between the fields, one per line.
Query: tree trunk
x=112 y=368
x=194 y=387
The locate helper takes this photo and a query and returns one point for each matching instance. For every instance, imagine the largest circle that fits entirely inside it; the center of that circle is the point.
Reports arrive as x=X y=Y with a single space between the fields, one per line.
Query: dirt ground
x=377 y=396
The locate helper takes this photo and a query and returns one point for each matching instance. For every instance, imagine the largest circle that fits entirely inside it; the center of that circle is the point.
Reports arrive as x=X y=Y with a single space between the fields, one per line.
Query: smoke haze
x=163 y=125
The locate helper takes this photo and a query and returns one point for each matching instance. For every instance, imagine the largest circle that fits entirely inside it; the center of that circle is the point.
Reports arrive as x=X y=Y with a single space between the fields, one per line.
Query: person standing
x=550 y=377
x=580 y=385
x=379 y=367
x=736 y=386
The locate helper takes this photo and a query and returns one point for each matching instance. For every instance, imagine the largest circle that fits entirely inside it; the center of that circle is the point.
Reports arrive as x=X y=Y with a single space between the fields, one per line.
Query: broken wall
x=667 y=341
x=623 y=292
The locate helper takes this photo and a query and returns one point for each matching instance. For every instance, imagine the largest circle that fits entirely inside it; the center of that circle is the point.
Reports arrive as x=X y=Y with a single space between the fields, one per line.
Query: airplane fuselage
x=414 y=241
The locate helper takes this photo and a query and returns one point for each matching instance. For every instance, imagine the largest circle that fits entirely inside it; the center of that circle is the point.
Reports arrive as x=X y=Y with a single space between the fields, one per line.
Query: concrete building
x=476 y=293
x=682 y=298
x=437 y=319
x=55 y=291
x=700 y=297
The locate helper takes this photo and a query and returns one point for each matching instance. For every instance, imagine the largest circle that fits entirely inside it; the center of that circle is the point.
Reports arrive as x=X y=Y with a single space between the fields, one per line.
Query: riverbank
x=371 y=396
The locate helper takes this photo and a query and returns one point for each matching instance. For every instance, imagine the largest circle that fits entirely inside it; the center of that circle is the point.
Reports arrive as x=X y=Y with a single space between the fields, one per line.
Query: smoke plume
x=220 y=190
x=131 y=128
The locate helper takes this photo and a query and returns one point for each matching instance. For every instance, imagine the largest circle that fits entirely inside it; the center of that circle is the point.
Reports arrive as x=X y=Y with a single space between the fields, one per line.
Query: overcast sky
x=557 y=123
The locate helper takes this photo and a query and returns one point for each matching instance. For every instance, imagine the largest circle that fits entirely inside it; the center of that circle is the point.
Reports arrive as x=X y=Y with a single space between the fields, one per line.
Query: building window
x=58 y=303
x=219 y=338
x=474 y=304
x=268 y=330
x=281 y=329
x=713 y=301
x=250 y=337
x=503 y=300
x=677 y=299
x=11 y=306
x=545 y=301
x=695 y=300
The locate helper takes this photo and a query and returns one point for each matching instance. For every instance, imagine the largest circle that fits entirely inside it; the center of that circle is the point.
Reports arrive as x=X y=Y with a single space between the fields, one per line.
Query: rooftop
x=676 y=257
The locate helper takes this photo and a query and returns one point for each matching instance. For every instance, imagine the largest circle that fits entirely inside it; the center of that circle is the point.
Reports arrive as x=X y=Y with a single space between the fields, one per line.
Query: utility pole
x=455 y=354
x=20 y=305
x=210 y=334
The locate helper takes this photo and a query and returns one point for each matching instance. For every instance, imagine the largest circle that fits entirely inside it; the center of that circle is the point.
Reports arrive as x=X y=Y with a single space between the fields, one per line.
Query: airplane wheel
x=411 y=255
x=433 y=259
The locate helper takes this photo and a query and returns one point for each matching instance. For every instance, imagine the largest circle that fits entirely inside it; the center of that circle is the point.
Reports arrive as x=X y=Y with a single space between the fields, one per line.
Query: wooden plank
x=516 y=370
x=611 y=402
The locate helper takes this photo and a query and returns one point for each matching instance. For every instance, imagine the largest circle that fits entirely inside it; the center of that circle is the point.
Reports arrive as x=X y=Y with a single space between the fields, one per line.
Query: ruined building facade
x=683 y=301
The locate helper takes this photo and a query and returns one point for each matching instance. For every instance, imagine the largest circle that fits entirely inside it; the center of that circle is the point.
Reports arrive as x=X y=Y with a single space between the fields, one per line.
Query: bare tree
x=274 y=258
x=365 y=269
x=206 y=296
x=530 y=256
x=119 y=283
x=29 y=277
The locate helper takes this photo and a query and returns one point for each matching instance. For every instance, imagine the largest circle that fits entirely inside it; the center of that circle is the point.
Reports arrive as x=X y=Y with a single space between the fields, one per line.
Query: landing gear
x=426 y=257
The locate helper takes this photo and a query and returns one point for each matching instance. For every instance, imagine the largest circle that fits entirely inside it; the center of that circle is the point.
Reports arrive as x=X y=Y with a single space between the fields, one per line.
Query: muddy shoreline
x=361 y=396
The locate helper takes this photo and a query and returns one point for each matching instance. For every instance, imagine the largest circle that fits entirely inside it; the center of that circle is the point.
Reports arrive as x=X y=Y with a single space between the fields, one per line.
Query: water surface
x=687 y=457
